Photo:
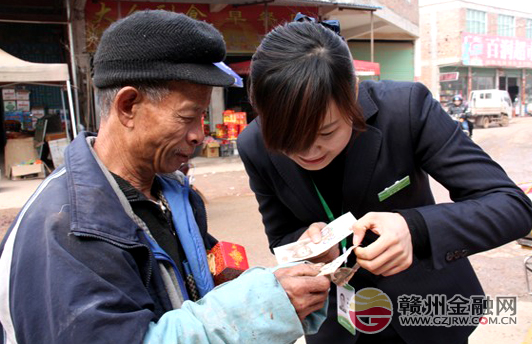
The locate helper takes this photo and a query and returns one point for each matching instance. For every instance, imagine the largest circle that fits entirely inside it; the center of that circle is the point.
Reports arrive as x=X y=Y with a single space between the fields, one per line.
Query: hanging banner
x=496 y=51
x=242 y=27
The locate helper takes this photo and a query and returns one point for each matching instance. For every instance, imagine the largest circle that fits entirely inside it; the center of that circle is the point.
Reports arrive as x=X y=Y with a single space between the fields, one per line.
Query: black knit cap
x=159 y=45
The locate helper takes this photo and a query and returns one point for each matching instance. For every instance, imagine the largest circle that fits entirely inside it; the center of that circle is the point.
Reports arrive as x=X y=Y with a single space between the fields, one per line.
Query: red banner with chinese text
x=496 y=51
x=242 y=27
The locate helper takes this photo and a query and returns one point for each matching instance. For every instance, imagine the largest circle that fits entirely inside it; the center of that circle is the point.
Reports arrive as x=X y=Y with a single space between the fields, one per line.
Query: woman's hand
x=392 y=252
x=314 y=233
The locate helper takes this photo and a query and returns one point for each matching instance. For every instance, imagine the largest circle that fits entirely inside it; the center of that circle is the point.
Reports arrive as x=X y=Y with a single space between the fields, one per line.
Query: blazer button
x=457 y=254
x=464 y=253
x=449 y=257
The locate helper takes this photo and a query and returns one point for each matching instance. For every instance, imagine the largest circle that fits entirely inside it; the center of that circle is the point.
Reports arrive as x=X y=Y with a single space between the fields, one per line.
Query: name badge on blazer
x=394 y=188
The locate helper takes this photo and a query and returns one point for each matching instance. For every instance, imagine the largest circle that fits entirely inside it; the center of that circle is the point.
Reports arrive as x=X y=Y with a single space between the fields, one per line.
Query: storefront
x=395 y=58
x=455 y=81
x=242 y=26
x=462 y=80
x=491 y=62
x=33 y=135
x=34 y=79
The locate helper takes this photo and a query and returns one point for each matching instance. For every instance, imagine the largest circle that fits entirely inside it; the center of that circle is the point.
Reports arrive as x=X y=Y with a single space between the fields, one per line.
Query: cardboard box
x=38 y=111
x=8 y=94
x=17 y=151
x=22 y=95
x=57 y=150
x=10 y=105
x=54 y=136
x=227 y=261
x=27 y=171
x=23 y=105
x=212 y=150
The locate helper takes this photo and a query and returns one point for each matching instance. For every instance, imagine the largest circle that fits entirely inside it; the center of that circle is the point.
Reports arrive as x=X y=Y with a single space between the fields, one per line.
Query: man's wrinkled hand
x=392 y=252
x=314 y=233
x=306 y=291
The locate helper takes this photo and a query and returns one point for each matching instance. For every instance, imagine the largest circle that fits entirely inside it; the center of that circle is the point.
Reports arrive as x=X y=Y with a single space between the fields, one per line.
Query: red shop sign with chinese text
x=242 y=27
x=498 y=51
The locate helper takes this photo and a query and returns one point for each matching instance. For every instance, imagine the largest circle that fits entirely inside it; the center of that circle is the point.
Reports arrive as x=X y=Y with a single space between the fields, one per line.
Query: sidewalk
x=214 y=165
x=14 y=193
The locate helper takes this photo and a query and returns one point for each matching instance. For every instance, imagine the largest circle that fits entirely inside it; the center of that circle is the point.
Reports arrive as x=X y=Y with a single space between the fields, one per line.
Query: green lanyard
x=329 y=213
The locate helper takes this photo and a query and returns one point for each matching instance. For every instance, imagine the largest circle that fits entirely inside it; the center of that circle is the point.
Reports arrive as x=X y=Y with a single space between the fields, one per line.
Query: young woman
x=324 y=145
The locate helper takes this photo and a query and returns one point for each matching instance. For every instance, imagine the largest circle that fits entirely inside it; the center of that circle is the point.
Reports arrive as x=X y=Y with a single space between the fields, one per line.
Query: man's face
x=457 y=102
x=168 y=132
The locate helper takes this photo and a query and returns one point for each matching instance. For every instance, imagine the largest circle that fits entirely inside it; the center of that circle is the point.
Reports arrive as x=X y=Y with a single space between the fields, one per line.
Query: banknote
x=343 y=275
x=330 y=268
x=305 y=249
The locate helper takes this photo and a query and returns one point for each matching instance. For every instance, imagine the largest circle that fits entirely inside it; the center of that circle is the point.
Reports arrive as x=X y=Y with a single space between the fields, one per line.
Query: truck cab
x=490 y=106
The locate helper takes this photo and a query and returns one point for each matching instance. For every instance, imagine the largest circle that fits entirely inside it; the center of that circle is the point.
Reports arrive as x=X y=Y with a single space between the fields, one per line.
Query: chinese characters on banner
x=484 y=50
x=242 y=27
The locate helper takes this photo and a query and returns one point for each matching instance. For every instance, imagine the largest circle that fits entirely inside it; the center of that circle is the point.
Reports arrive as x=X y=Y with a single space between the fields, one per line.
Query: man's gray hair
x=155 y=93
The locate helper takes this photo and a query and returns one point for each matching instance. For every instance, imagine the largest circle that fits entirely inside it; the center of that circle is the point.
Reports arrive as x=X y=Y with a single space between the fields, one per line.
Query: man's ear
x=125 y=103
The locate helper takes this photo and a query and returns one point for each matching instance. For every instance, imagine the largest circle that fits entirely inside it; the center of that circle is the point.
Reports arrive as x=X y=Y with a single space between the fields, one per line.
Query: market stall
x=16 y=105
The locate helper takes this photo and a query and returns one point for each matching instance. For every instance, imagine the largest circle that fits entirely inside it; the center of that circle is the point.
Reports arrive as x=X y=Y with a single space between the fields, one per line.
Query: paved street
x=233 y=216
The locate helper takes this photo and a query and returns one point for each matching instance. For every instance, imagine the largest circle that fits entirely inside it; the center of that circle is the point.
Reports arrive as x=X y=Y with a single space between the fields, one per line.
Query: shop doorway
x=236 y=98
x=509 y=84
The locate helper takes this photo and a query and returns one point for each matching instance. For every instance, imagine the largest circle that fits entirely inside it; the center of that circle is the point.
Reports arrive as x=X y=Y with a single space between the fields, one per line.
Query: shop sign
x=451 y=76
x=496 y=51
x=242 y=27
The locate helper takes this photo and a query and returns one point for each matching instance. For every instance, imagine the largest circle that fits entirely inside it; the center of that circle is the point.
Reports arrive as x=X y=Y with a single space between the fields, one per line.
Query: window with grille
x=476 y=22
x=506 y=25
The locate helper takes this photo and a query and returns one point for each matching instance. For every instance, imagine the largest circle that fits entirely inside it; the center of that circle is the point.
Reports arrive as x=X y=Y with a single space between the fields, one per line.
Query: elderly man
x=110 y=250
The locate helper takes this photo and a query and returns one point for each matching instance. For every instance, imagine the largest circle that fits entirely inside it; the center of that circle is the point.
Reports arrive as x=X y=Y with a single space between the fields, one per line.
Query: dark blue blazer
x=408 y=134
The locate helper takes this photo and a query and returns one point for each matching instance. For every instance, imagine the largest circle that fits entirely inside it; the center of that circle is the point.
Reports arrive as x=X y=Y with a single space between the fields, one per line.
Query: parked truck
x=490 y=106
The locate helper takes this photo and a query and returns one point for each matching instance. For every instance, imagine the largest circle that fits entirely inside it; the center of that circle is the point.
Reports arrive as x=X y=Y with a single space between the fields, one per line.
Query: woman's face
x=333 y=136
